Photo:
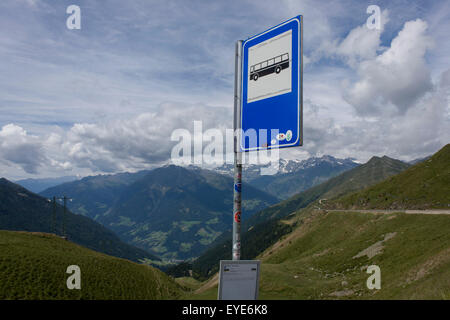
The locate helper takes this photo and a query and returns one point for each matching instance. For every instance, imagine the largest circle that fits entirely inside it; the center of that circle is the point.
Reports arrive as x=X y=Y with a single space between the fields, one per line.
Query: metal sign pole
x=237 y=208
x=237 y=191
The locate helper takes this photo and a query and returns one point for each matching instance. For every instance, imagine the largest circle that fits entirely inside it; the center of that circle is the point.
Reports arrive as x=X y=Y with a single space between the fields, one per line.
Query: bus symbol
x=269 y=66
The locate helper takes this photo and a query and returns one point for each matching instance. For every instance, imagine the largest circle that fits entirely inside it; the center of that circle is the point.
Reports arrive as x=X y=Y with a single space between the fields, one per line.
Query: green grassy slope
x=318 y=260
x=425 y=185
x=327 y=253
x=33 y=266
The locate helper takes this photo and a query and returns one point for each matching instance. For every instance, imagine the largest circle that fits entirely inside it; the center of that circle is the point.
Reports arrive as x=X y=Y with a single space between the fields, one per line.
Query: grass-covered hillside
x=327 y=253
x=327 y=256
x=33 y=266
x=425 y=185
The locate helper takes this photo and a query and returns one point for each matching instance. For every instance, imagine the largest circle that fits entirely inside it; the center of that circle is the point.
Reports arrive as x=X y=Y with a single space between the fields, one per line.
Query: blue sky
x=107 y=97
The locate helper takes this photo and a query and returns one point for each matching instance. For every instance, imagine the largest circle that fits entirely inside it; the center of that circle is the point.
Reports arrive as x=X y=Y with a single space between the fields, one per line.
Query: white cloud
x=137 y=142
x=362 y=43
x=393 y=81
x=421 y=130
x=20 y=149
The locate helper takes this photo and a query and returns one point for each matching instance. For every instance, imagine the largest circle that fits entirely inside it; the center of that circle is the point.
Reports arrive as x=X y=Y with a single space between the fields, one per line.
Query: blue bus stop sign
x=271 y=97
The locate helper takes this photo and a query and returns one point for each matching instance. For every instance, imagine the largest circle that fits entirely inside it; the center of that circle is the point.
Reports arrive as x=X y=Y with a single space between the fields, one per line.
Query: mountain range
x=165 y=211
x=251 y=173
x=37 y=185
x=173 y=212
x=293 y=176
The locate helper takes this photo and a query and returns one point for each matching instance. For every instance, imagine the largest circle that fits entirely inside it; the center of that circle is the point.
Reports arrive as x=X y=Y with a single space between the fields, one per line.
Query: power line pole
x=54 y=215
x=64 y=217
x=237 y=191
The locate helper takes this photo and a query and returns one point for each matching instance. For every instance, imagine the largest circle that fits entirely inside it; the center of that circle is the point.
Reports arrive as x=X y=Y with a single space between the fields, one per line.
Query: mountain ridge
x=37 y=185
x=293 y=176
x=424 y=185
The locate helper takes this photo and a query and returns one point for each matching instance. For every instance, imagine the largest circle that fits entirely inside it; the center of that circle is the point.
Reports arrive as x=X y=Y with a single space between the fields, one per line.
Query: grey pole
x=237 y=191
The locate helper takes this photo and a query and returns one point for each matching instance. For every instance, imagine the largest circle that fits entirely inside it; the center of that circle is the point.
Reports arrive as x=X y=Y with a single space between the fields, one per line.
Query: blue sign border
x=262 y=113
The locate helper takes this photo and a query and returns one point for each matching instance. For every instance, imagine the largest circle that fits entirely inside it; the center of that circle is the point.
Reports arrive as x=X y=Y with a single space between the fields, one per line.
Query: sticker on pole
x=272 y=88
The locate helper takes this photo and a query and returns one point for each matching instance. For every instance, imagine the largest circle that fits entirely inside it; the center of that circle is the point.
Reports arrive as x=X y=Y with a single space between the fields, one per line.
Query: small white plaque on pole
x=239 y=279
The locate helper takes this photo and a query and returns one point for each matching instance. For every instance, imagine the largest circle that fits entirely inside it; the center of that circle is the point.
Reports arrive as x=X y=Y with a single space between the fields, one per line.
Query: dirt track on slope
x=430 y=211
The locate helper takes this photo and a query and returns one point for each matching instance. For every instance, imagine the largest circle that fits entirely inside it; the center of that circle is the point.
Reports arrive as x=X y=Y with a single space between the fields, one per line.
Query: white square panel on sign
x=269 y=68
